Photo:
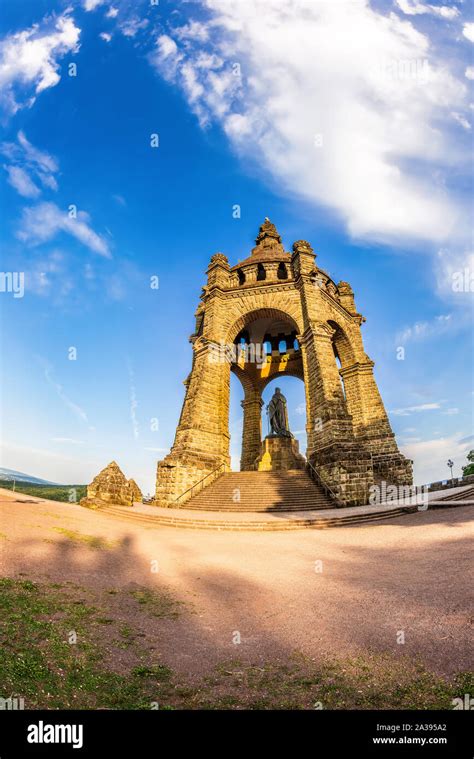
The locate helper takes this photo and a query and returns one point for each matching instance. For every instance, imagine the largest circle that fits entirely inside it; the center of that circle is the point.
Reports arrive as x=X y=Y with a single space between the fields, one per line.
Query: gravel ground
x=410 y=574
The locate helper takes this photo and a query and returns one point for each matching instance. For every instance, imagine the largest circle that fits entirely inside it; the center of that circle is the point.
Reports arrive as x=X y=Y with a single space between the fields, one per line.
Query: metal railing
x=198 y=486
x=314 y=474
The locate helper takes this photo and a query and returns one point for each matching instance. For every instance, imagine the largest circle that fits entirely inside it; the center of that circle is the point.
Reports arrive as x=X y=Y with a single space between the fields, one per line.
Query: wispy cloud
x=430 y=457
x=44 y=221
x=245 y=66
x=21 y=181
x=91 y=5
x=29 y=60
x=67 y=440
x=28 y=164
x=133 y=402
x=416 y=8
x=425 y=329
x=408 y=410
x=132 y=25
x=59 y=390
x=468 y=31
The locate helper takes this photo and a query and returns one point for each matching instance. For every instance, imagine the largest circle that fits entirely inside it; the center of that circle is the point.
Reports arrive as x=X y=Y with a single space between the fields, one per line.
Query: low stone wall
x=455 y=482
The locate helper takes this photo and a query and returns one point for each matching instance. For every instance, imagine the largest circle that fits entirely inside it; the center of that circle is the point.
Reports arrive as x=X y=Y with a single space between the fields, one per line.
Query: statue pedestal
x=278 y=454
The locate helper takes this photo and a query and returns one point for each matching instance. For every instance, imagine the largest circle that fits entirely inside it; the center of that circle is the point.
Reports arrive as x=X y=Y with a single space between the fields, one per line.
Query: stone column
x=372 y=426
x=342 y=461
x=272 y=272
x=251 y=273
x=202 y=437
x=252 y=429
x=363 y=399
x=327 y=418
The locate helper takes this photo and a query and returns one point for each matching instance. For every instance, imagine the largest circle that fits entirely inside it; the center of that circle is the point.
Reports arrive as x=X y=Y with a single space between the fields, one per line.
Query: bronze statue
x=278 y=415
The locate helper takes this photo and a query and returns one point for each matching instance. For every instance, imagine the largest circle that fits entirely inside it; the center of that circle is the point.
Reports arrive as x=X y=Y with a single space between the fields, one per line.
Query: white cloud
x=22 y=182
x=29 y=60
x=112 y=12
x=39 y=157
x=26 y=160
x=49 y=275
x=105 y=36
x=430 y=457
x=49 y=465
x=133 y=25
x=415 y=409
x=415 y=8
x=468 y=31
x=91 y=5
x=339 y=104
x=469 y=73
x=461 y=120
x=42 y=223
x=455 y=277
x=451 y=411
x=195 y=30
x=425 y=329
x=74 y=407
x=68 y=440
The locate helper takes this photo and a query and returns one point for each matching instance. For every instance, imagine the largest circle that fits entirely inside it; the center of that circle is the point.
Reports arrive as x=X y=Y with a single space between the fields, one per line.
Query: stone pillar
x=364 y=401
x=343 y=462
x=372 y=426
x=202 y=437
x=272 y=271
x=327 y=418
x=251 y=273
x=252 y=429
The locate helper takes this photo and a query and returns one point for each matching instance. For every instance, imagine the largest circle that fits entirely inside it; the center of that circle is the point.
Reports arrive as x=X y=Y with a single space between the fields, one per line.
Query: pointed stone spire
x=267 y=230
x=268 y=242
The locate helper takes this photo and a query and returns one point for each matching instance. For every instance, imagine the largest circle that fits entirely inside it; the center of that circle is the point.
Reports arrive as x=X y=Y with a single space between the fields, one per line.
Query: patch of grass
x=372 y=682
x=90 y=540
x=64 y=493
x=38 y=663
x=159 y=672
x=157 y=604
x=113 y=666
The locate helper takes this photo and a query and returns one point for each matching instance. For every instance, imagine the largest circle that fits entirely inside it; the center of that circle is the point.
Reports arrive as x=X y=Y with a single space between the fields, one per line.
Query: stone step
x=257 y=509
x=465 y=495
x=277 y=524
x=292 y=490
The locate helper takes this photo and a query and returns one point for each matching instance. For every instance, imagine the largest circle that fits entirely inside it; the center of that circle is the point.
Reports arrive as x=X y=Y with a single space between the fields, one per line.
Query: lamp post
x=450 y=464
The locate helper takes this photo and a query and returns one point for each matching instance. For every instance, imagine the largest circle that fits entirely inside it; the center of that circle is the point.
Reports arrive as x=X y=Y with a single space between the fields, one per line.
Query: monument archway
x=278 y=313
x=266 y=346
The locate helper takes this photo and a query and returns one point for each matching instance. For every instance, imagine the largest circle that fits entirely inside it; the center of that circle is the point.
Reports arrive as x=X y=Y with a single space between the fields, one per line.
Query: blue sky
x=347 y=123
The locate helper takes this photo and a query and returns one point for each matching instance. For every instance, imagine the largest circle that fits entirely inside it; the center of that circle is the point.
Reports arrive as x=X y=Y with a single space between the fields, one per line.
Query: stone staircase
x=157 y=517
x=292 y=490
x=464 y=495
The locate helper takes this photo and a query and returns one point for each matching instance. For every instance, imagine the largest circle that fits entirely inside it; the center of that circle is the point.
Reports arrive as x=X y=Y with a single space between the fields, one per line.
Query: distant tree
x=469 y=468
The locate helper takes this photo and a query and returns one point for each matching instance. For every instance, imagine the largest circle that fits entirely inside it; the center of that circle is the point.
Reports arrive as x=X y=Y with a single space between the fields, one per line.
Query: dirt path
x=410 y=574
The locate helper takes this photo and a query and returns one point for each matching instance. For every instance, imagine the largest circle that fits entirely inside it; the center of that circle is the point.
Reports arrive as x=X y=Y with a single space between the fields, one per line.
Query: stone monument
x=280 y=450
x=293 y=319
x=111 y=486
